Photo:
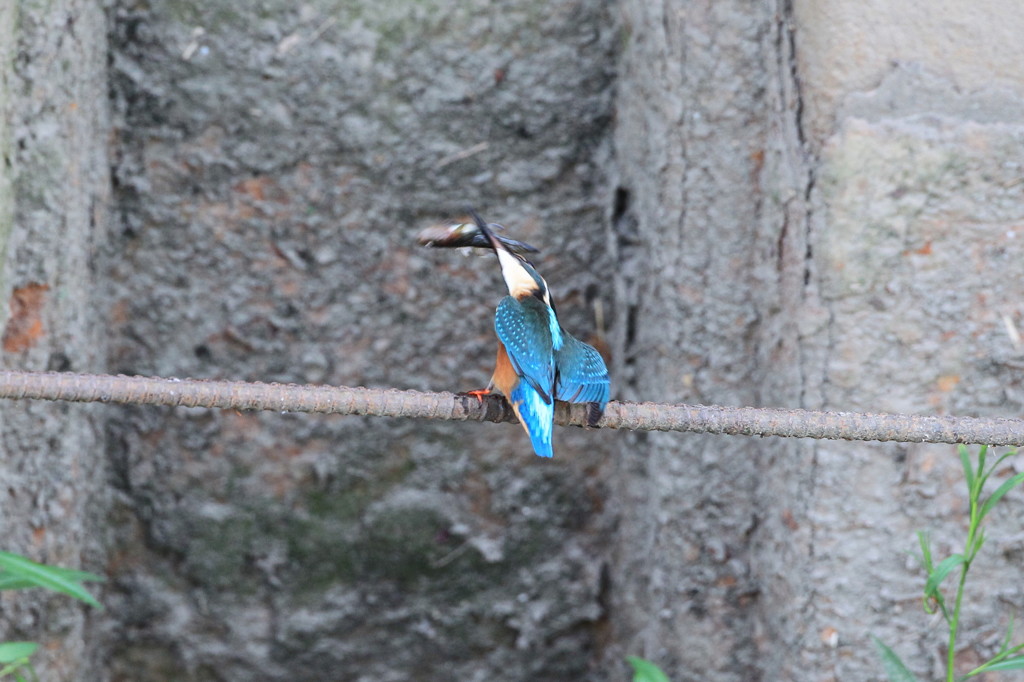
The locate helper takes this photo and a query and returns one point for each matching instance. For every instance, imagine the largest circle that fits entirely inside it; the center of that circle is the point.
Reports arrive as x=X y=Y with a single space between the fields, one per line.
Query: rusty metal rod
x=744 y=421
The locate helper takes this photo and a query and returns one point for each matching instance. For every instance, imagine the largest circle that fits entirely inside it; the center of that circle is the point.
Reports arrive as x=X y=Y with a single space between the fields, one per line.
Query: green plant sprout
x=14 y=661
x=645 y=671
x=19 y=573
x=1008 y=658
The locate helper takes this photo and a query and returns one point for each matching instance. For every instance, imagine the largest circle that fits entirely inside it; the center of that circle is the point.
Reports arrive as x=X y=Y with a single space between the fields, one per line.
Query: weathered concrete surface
x=53 y=194
x=847 y=48
x=690 y=141
x=8 y=21
x=913 y=132
x=834 y=221
x=274 y=163
x=802 y=208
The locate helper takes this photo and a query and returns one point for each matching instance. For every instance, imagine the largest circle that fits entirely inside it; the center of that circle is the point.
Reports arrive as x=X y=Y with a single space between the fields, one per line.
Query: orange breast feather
x=505 y=377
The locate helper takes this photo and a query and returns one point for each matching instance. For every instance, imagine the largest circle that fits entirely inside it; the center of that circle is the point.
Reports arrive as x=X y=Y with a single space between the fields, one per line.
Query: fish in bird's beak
x=469 y=234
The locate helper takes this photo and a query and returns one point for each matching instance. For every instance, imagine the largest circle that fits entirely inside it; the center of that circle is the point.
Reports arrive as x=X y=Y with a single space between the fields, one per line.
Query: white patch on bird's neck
x=519 y=281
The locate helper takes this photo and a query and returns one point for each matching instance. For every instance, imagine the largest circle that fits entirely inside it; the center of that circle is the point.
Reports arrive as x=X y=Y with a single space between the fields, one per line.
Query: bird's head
x=520 y=276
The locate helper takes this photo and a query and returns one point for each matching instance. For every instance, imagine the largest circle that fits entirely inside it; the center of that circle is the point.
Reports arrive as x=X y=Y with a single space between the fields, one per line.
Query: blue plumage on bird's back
x=524 y=333
x=522 y=327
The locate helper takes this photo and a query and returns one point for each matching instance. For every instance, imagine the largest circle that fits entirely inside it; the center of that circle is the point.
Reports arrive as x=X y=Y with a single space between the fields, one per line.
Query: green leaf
x=965 y=461
x=67 y=573
x=1002 y=458
x=1009 y=636
x=53 y=578
x=8 y=582
x=894 y=667
x=1016 y=663
x=16 y=651
x=1006 y=487
x=993 y=469
x=81 y=576
x=645 y=671
x=12 y=668
x=1005 y=652
x=945 y=567
x=924 y=540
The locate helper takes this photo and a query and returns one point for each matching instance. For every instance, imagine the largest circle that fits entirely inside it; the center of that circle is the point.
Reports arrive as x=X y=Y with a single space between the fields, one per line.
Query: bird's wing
x=523 y=327
x=582 y=375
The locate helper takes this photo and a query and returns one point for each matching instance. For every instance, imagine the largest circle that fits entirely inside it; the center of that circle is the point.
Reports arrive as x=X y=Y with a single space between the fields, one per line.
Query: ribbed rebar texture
x=743 y=421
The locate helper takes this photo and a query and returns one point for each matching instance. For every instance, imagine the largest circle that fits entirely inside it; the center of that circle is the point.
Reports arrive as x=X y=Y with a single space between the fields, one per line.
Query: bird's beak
x=486 y=232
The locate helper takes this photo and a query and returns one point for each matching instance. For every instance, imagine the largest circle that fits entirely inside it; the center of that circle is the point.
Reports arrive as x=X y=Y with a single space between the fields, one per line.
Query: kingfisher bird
x=537 y=361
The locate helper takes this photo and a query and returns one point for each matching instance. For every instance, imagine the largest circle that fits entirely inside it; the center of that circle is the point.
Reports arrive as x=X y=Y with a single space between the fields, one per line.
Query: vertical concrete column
x=53 y=207
x=691 y=136
x=909 y=125
x=819 y=205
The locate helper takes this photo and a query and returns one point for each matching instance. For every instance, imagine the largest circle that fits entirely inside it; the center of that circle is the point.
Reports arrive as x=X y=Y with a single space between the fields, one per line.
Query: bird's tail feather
x=536 y=415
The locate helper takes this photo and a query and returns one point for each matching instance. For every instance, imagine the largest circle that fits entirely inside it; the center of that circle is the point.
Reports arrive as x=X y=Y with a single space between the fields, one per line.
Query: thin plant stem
x=955 y=623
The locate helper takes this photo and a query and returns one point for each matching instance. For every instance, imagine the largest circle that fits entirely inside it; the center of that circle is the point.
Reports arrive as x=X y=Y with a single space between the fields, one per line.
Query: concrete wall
x=274 y=164
x=782 y=203
x=913 y=130
x=54 y=195
x=825 y=213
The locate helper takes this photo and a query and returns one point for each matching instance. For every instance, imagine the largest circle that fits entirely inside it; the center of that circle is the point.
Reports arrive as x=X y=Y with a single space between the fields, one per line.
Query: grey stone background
x=795 y=204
